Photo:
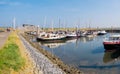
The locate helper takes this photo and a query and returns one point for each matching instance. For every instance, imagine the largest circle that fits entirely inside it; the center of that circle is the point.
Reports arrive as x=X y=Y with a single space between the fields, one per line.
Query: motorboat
x=73 y=34
x=51 y=37
x=112 y=42
x=103 y=32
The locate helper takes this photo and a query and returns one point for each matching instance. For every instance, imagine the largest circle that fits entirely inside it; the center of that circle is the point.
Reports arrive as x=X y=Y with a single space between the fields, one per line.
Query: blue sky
x=72 y=13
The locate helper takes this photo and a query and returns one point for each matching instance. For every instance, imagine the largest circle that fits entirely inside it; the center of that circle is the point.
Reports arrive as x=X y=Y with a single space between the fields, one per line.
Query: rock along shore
x=41 y=63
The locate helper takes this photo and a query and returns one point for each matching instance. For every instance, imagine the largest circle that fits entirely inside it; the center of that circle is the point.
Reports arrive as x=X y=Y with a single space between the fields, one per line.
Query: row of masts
x=60 y=24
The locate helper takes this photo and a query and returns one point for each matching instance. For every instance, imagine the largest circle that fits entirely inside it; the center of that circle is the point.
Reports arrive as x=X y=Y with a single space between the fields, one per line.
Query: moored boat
x=103 y=32
x=112 y=42
x=73 y=34
x=51 y=37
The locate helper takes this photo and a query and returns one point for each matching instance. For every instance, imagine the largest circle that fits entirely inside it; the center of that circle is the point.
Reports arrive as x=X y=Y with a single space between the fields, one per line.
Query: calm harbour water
x=86 y=54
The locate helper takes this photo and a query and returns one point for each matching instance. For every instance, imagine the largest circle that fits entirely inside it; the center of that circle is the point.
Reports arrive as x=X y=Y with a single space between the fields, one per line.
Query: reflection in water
x=57 y=44
x=111 y=56
x=60 y=43
x=87 y=54
x=53 y=45
x=100 y=67
x=86 y=39
x=72 y=41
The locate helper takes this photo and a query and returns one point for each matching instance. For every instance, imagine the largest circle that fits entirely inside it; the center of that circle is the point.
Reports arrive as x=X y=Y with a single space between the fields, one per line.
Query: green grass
x=10 y=57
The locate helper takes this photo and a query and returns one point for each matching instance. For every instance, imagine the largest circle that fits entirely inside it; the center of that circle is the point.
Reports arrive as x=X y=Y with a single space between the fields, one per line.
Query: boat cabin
x=114 y=37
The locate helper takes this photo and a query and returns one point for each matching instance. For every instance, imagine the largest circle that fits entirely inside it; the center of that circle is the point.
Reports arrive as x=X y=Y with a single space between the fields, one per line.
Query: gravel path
x=41 y=62
x=3 y=38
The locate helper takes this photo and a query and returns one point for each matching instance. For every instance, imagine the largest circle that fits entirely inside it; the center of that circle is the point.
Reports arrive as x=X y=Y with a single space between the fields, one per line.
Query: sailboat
x=73 y=34
x=51 y=36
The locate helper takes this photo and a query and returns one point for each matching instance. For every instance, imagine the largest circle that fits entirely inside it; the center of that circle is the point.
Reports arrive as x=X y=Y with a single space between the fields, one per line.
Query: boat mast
x=90 y=26
x=64 y=25
x=59 y=23
x=38 y=30
x=112 y=30
x=44 y=23
x=14 y=21
x=52 y=25
x=77 y=25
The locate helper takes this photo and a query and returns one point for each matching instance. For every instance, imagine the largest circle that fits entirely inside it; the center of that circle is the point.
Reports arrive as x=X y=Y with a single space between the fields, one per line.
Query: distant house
x=30 y=28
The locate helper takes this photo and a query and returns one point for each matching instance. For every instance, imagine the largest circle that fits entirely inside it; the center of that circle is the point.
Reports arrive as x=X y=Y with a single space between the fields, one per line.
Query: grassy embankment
x=10 y=57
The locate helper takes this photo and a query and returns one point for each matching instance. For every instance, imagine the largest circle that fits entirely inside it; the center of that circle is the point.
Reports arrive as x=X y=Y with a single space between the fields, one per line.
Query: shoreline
x=67 y=69
x=41 y=62
x=29 y=67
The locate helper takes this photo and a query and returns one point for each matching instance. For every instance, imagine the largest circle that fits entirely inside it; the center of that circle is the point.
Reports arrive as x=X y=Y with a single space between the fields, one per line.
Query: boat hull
x=111 y=44
x=101 y=33
x=52 y=40
x=72 y=37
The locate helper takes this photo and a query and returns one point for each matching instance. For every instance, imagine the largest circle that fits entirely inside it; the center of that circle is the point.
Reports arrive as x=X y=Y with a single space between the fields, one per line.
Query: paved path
x=3 y=38
x=41 y=61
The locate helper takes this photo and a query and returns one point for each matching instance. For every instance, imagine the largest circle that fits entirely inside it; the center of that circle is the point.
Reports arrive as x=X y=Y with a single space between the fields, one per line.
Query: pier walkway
x=41 y=62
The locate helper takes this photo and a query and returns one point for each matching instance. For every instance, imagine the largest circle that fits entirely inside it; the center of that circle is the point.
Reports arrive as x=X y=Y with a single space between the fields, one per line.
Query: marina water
x=87 y=54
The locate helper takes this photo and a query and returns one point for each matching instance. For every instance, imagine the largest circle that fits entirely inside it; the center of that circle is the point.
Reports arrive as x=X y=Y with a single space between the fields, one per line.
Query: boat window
x=117 y=38
x=114 y=38
x=111 y=38
x=42 y=35
x=48 y=35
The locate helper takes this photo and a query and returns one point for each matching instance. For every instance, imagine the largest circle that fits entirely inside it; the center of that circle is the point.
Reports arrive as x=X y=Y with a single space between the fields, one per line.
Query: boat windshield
x=114 y=38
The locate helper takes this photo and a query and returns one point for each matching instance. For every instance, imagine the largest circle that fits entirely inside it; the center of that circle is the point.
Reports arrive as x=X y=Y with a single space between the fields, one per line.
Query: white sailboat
x=51 y=36
x=73 y=34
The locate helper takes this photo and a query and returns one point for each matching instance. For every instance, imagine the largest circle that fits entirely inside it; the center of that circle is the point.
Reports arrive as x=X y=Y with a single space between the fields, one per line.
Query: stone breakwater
x=42 y=64
x=54 y=59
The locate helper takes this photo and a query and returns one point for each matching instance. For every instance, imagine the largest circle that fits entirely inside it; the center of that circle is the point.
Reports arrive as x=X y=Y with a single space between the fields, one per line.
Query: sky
x=61 y=13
